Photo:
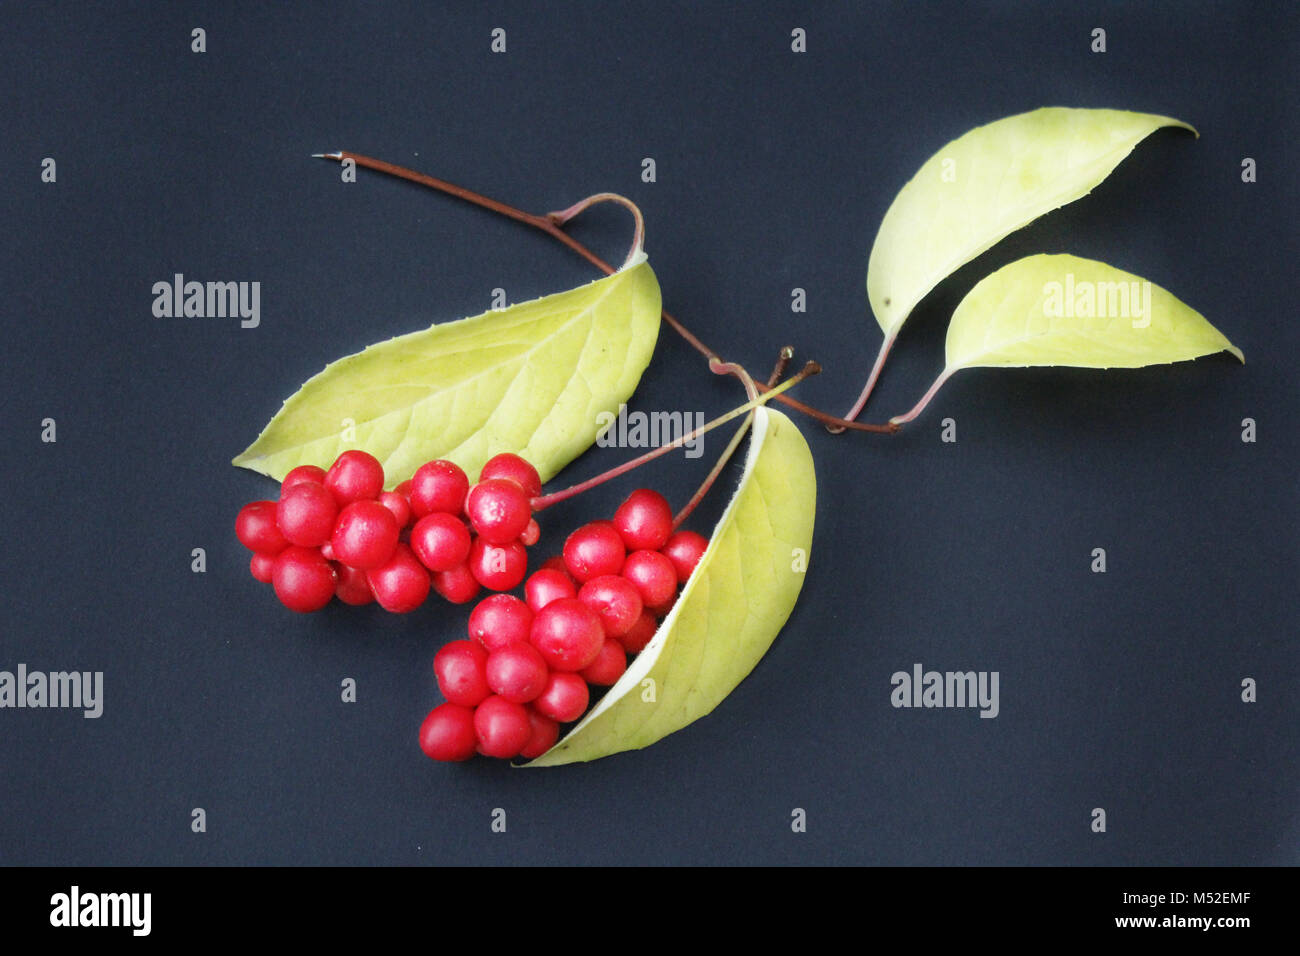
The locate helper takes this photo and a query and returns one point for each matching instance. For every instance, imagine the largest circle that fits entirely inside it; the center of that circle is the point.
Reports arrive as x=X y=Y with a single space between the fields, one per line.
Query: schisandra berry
x=461 y=669
x=396 y=503
x=531 y=533
x=305 y=514
x=448 y=733
x=594 y=549
x=441 y=541
x=355 y=476
x=459 y=586
x=546 y=585
x=545 y=733
x=502 y=727
x=304 y=580
x=262 y=566
x=644 y=520
x=615 y=600
x=499 y=510
x=568 y=634
x=516 y=469
x=565 y=698
x=516 y=672
x=608 y=666
x=660 y=611
x=684 y=549
x=556 y=562
x=365 y=535
x=635 y=640
x=303 y=473
x=499 y=621
x=353 y=588
x=438 y=487
x=400 y=584
x=498 y=568
x=653 y=575
x=256 y=528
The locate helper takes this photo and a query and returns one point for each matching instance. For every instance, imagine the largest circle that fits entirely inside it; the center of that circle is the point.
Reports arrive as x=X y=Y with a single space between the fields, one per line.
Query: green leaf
x=530 y=379
x=728 y=615
x=986 y=184
x=1063 y=310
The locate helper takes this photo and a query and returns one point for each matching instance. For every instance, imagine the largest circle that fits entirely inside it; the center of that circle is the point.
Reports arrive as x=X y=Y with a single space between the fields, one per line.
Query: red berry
x=660 y=611
x=256 y=528
x=531 y=533
x=593 y=550
x=396 y=502
x=498 y=568
x=568 y=634
x=615 y=599
x=608 y=666
x=448 y=733
x=502 y=727
x=441 y=541
x=404 y=489
x=438 y=486
x=545 y=733
x=303 y=473
x=556 y=562
x=306 y=513
x=327 y=550
x=500 y=620
x=684 y=549
x=516 y=469
x=262 y=566
x=304 y=580
x=546 y=585
x=457 y=585
x=355 y=476
x=353 y=588
x=635 y=640
x=365 y=535
x=401 y=583
x=644 y=520
x=499 y=510
x=516 y=672
x=653 y=574
x=460 y=667
x=565 y=698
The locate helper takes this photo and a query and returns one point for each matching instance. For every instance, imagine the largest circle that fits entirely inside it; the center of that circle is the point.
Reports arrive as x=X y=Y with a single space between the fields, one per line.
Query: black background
x=1119 y=691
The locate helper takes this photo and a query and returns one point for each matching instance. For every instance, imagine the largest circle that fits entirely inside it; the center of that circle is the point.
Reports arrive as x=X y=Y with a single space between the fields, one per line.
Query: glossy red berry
x=396 y=503
x=568 y=634
x=593 y=550
x=448 y=733
x=441 y=541
x=461 y=669
x=305 y=514
x=257 y=530
x=565 y=698
x=608 y=666
x=498 y=568
x=545 y=733
x=660 y=611
x=355 y=476
x=516 y=469
x=438 y=486
x=262 y=566
x=546 y=585
x=303 y=473
x=502 y=727
x=653 y=574
x=304 y=580
x=353 y=588
x=684 y=549
x=644 y=520
x=635 y=640
x=556 y=562
x=457 y=585
x=615 y=600
x=531 y=533
x=516 y=672
x=500 y=620
x=400 y=584
x=499 y=510
x=365 y=535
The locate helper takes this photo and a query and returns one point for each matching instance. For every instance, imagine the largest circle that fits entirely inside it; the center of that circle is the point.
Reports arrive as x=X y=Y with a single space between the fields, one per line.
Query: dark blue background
x=774 y=169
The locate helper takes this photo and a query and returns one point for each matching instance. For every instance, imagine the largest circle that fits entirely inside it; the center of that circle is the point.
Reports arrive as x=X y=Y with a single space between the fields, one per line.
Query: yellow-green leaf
x=530 y=379
x=1063 y=310
x=986 y=184
x=730 y=611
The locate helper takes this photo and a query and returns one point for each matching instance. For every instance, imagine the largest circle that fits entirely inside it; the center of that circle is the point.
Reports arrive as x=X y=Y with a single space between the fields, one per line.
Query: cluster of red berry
x=337 y=533
x=529 y=664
